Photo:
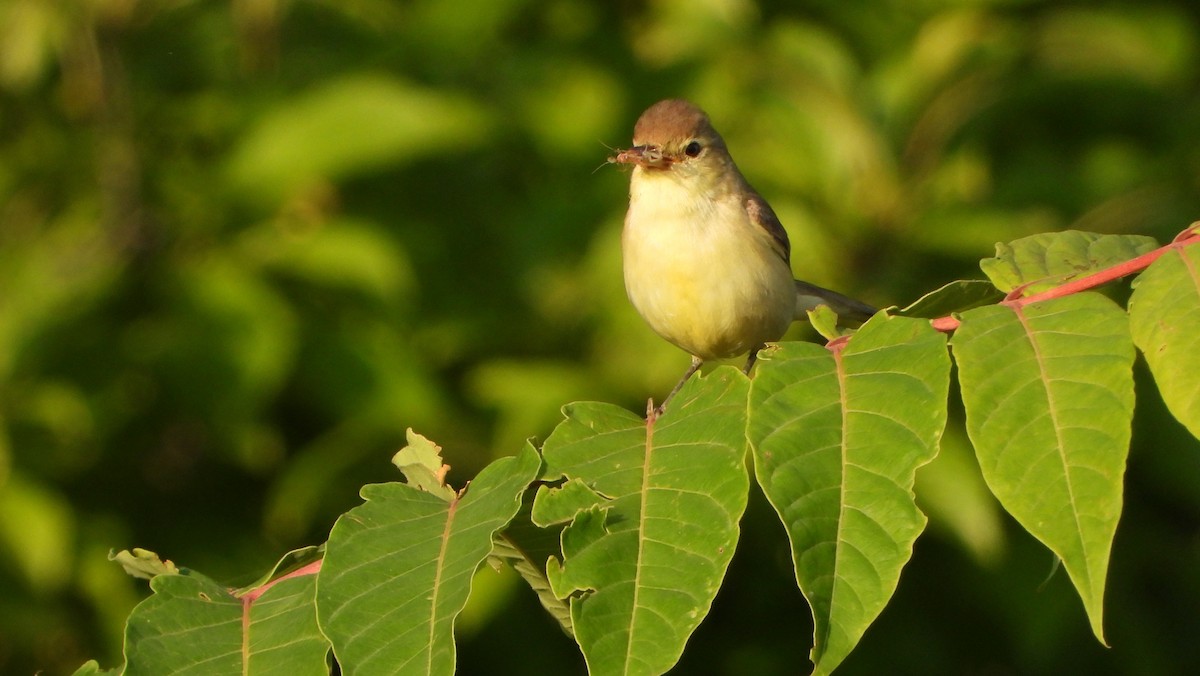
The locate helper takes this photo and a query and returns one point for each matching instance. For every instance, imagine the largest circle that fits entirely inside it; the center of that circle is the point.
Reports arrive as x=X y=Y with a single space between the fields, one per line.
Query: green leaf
x=1046 y=260
x=1164 y=312
x=92 y=668
x=143 y=563
x=37 y=529
x=559 y=505
x=824 y=320
x=421 y=463
x=347 y=126
x=297 y=558
x=837 y=438
x=956 y=296
x=526 y=547
x=344 y=254
x=283 y=635
x=655 y=526
x=398 y=568
x=192 y=625
x=1048 y=391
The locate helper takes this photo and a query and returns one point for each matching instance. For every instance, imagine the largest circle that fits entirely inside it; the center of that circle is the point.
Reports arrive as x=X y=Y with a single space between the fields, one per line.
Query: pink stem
x=1186 y=238
x=252 y=595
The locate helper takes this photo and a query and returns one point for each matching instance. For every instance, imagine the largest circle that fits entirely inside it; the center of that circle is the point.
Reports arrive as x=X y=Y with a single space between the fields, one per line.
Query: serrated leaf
x=1164 y=312
x=642 y=567
x=1048 y=391
x=421 y=463
x=398 y=568
x=192 y=625
x=956 y=296
x=837 y=438
x=1046 y=260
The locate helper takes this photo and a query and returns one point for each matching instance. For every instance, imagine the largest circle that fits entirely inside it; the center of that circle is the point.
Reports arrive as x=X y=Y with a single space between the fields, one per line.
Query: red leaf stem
x=1188 y=237
x=252 y=595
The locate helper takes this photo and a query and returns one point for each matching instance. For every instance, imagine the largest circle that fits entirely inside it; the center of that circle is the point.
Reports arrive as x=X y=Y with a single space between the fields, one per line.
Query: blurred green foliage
x=244 y=246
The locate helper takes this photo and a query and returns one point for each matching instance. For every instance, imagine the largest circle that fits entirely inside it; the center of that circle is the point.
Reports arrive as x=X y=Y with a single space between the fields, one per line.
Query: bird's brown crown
x=673 y=121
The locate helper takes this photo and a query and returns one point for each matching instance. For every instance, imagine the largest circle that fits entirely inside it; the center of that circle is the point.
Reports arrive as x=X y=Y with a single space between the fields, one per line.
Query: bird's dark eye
x=693 y=149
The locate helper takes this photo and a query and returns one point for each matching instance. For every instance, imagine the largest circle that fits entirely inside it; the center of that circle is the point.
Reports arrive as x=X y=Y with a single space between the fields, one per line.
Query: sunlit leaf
x=192 y=625
x=1046 y=260
x=654 y=512
x=421 y=463
x=824 y=320
x=837 y=438
x=143 y=563
x=1164 y=312
x=398 y=568
x=1048 y=391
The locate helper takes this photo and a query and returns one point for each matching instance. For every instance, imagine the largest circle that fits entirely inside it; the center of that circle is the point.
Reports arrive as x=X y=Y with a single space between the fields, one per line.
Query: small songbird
x=706 y=260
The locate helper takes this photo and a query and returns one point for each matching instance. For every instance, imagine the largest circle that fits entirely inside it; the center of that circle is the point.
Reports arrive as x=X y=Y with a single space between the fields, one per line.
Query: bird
x=705 y=259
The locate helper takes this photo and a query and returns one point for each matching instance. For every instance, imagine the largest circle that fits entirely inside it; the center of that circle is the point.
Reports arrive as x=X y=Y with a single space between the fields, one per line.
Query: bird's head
x=674 y=137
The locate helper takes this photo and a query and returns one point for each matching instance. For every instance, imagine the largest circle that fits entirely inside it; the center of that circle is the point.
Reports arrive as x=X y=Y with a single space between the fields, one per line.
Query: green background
x=244 y=246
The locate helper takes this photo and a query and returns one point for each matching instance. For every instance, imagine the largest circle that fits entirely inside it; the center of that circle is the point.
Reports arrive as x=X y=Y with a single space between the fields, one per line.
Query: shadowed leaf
x=957 y=296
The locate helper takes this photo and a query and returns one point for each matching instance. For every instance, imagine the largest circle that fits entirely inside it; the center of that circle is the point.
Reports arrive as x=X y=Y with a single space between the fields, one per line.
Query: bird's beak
x=650 y=157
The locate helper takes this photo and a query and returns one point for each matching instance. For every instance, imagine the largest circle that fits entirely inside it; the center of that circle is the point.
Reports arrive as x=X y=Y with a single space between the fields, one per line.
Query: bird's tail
x=809 y=296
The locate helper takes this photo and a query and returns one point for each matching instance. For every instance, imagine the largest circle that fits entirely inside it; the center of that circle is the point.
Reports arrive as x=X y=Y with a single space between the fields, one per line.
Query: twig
x=1188 y=237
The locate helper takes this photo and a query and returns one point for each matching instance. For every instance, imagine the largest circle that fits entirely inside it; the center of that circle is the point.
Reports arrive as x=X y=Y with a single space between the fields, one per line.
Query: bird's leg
x=751 y=359
x=696 y=362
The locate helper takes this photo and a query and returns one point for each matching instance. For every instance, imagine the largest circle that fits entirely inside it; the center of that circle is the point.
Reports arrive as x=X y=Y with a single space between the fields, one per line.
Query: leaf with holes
x=837 y=438
x=652 y=512
x=1048 y=390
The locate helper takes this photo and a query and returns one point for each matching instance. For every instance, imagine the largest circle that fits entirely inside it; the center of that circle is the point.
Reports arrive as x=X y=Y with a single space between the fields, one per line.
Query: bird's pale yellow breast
x=698 y=270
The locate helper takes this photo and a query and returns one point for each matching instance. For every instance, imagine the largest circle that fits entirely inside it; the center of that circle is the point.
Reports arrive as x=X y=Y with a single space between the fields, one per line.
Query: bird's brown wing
x=761 y=214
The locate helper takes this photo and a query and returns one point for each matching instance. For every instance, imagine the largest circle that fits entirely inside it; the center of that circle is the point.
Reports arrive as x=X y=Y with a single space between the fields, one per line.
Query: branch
x=1188 y=237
